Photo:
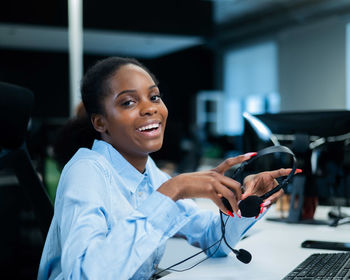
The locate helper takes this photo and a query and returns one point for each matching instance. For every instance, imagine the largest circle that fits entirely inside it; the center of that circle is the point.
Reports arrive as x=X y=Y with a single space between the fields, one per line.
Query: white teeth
x=155 y=125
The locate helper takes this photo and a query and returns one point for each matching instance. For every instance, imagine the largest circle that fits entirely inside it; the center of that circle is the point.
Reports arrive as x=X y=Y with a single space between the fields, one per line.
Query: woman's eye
x=156 y=97
x=127 y=103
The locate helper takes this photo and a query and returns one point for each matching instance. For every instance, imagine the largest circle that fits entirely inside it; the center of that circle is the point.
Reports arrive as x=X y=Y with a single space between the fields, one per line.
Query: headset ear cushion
x=226 y=203
x=250 y=206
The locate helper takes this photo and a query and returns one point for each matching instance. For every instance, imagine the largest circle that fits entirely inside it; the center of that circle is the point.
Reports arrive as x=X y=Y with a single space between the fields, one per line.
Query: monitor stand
x=338 y=218
x=296 y=205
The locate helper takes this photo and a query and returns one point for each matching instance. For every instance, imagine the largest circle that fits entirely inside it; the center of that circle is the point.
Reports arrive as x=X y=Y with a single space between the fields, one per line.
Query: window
x=250 y=84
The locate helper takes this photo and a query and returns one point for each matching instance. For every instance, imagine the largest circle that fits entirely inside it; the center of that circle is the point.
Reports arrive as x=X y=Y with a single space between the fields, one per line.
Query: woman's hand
x=261 y=183
x=212 y=184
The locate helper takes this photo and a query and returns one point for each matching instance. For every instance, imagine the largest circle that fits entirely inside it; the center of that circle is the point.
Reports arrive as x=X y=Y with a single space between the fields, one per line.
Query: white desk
x=275 y=248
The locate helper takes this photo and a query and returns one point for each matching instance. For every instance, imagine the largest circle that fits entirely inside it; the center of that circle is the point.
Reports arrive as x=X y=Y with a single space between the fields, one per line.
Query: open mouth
x=149 y=128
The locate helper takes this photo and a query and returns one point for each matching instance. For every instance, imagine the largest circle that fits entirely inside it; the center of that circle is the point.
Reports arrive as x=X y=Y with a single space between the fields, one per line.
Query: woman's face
x=135 y=115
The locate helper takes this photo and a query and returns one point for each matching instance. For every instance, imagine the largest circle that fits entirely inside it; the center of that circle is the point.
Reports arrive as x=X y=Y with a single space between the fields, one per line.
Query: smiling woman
x=115 y=209
x=134 y=115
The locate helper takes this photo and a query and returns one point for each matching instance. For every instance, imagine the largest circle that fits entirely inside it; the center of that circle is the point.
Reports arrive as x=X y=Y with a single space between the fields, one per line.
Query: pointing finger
x=283 y=172
x=228 y=163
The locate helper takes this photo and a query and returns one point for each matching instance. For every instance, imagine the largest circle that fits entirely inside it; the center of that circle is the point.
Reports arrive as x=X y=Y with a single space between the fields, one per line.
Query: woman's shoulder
x=83 y=172
x=85 y=156
x=87 y=164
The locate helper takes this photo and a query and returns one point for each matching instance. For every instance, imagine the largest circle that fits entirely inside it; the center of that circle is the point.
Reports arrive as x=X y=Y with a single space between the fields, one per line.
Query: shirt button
x=139 y=193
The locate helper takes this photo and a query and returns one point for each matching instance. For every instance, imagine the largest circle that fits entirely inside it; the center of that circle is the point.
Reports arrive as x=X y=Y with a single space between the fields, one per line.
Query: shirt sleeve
x=204 y=229
x=94 y=245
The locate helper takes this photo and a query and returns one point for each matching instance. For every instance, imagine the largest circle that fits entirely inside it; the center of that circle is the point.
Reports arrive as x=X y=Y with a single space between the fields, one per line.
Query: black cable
x=223 y=225
x=223 y=230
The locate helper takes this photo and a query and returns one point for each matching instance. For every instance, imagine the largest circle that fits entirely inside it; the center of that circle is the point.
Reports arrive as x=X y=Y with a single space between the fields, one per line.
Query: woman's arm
x=210 y=184
x=97 y=246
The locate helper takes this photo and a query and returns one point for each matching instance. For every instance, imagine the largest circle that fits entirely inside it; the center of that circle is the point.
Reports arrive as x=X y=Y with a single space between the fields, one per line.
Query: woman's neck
x=136 y=160
x=139 y=162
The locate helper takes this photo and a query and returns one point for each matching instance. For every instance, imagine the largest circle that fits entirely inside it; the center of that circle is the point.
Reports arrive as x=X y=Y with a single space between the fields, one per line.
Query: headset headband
x=269 y=151
x=250 y=206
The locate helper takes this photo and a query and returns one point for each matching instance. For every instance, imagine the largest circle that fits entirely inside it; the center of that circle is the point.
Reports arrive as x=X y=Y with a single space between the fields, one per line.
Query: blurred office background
x=215 y=60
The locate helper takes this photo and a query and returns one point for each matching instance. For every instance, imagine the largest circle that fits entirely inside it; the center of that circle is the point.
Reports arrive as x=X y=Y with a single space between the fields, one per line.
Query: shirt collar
x=129 y=174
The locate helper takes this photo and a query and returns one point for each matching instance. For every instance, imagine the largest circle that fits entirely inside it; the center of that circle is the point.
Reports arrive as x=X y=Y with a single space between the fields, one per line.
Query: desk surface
x=275 y=247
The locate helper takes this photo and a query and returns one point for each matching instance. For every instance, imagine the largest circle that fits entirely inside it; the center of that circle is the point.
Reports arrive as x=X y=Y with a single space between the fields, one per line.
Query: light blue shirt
x=111 y=223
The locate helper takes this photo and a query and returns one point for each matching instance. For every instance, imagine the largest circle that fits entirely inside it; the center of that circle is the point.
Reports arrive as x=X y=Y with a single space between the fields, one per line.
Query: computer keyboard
x=322 y=266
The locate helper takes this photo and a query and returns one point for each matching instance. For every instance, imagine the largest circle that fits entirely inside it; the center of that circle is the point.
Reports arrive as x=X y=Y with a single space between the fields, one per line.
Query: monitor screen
x=321 y=143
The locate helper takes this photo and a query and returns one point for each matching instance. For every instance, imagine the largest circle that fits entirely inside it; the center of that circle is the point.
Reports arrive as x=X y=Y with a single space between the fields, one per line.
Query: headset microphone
x=250 y=206
x=243 y=255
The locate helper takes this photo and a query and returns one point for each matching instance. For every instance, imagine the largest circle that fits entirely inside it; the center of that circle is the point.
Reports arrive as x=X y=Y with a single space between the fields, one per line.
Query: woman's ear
x=99 y=123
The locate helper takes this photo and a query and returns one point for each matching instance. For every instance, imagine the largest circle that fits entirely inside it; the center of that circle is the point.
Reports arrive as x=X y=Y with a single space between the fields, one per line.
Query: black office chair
x=16 y=105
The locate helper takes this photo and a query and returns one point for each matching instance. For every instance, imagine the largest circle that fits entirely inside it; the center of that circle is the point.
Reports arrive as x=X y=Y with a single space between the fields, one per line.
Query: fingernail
x=298 y=170
x=261 y=210
x=266 y=203
x=256 y=216
x=251 y=154
x=230 y=213
x=239 y=214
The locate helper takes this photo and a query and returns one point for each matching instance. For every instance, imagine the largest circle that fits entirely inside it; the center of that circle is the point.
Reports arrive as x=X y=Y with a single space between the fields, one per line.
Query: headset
x=250 y=207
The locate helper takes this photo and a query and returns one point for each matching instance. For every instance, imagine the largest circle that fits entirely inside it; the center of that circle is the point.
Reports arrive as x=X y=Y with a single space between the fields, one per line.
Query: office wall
x=312 y=66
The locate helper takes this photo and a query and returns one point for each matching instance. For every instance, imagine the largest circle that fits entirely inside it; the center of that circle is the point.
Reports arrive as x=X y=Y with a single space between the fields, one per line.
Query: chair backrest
x=16 y=105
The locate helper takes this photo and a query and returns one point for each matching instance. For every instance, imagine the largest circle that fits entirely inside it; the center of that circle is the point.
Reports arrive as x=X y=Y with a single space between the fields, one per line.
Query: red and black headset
x=250 y=206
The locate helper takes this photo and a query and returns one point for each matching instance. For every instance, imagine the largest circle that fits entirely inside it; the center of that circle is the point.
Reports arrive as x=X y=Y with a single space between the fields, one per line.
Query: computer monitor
x=321 y=143
x=312 y=123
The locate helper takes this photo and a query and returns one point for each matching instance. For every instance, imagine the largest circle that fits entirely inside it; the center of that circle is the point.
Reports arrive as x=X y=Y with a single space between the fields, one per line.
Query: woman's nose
x=148 y=108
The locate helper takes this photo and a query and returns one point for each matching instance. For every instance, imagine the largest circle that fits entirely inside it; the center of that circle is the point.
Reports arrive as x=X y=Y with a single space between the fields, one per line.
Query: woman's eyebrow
x=133 y=90
x=125 y=91
x=154 y=86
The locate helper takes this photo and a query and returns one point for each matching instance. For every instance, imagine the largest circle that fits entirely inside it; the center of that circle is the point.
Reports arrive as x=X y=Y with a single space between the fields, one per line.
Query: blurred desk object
x=321 y=142
x=275 y=248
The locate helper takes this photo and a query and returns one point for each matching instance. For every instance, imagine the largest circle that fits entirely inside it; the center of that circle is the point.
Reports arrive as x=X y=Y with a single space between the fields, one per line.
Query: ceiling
x=238 y=20
x=156 y=28
x=98 y=42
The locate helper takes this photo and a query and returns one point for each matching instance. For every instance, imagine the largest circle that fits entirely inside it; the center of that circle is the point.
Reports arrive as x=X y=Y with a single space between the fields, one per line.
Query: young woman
x=114 y=209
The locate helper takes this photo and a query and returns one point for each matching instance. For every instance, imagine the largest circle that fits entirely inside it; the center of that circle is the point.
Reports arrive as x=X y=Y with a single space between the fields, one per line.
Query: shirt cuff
x=163 y=213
